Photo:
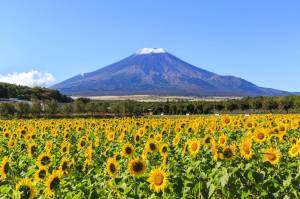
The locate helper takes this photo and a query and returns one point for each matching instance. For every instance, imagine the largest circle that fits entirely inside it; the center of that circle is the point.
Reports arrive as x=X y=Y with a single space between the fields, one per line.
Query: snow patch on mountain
x=150 y=50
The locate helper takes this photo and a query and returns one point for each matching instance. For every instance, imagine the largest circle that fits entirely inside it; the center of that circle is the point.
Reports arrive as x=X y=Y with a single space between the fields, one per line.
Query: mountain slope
x=156 y=72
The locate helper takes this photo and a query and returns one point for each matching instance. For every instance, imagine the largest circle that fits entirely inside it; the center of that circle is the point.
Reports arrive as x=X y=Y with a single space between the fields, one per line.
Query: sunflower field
x=228 y=156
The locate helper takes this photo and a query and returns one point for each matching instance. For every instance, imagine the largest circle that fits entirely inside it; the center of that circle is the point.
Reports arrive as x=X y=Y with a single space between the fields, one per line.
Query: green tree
x=287 y=103
x=231 y=105
x=270 y=104
x=244 y=104
x=208 y=108
x=256 y=103
x=67 y=108
x=23 y=109
x=50 y=107
x=36 y=108
x=7 y=109
x=3 y=92
x=190 y=108
x=219 y=106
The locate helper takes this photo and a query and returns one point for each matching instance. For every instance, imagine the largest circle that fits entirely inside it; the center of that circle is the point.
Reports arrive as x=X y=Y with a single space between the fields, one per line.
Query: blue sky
x=256 y=40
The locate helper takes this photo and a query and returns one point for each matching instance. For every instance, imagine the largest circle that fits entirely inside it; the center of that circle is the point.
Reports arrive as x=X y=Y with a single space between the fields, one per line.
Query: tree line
x=28 y=93
x=87 y=107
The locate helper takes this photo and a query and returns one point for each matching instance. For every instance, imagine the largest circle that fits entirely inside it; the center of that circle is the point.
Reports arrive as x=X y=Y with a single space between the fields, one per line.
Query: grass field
x=159 y=157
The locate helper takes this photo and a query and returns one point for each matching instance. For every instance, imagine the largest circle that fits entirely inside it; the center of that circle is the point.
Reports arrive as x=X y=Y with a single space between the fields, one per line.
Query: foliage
x=87 y=107
x=27 y=93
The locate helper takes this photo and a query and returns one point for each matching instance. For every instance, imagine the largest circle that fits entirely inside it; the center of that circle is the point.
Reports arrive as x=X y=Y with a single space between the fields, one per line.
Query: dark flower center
x=137 y=138
x=207 y=140
x=55 y=183
x=260 y=136
x=45 y=160
x=33 y=149
x=138 y=166
x=6 y=168
x=42 y=174
x=228 y=153
x=112 y=168
x=271 y=156
x=152 y=146
x=118 y=157
x=25 y=192
x=64 y=166
x=128 y=150
x=164 y=149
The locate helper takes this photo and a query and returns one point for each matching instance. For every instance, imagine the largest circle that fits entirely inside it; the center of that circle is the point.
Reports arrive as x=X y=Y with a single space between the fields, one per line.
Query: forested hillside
x=27 y=93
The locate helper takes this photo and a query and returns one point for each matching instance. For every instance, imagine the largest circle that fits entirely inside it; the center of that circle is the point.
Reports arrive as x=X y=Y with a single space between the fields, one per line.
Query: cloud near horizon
x=32 y=78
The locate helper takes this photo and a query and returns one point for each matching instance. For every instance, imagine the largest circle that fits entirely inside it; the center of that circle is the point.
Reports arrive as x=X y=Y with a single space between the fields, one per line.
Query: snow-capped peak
x=150 y=50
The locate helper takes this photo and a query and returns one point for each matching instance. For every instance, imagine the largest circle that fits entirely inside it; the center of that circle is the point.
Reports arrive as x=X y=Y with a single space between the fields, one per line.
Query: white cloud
x=32 y=78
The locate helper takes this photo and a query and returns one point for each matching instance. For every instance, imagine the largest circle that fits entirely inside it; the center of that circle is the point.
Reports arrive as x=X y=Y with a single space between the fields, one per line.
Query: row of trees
x=27 y=93
x=84 y=106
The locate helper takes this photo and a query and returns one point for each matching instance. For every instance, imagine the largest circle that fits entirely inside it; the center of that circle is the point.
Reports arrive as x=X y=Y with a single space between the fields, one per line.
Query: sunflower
x=117 y=156
x=282 y=137
x=222 y=140
x=64 y=165
x=228 y=152
x=31 y=149
x=163 y=149
x=214 y=150
x=65 y=147
x=151 y=145
x=272 y=155
x=246 y=148
x=260 y=136
x=23 y=133
x=112 y=167
x=207 y=140
x=44 y=159
x=6 y=134
x=26 y=189
x=194 y=147
x=137 y=138
x=48 y=146
x=82 y=142
x=226 y=120
x=282 y=128
x=127 y=150
x=158 y=138
x=151 y=136
x=97 y=141
x=176 y=140
x=110 y=136
x=88 y=157
x=250 y=124
x=293 y=140
x=137 y=167
x=185 y=148
x=11 y=143
x=41 y=173
x=52 y=183
x=5 y=167
x=294 y=151
x=158 y=180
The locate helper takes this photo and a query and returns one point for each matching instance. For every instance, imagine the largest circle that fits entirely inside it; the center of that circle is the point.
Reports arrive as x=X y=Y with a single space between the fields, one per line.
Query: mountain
x=153 y=71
